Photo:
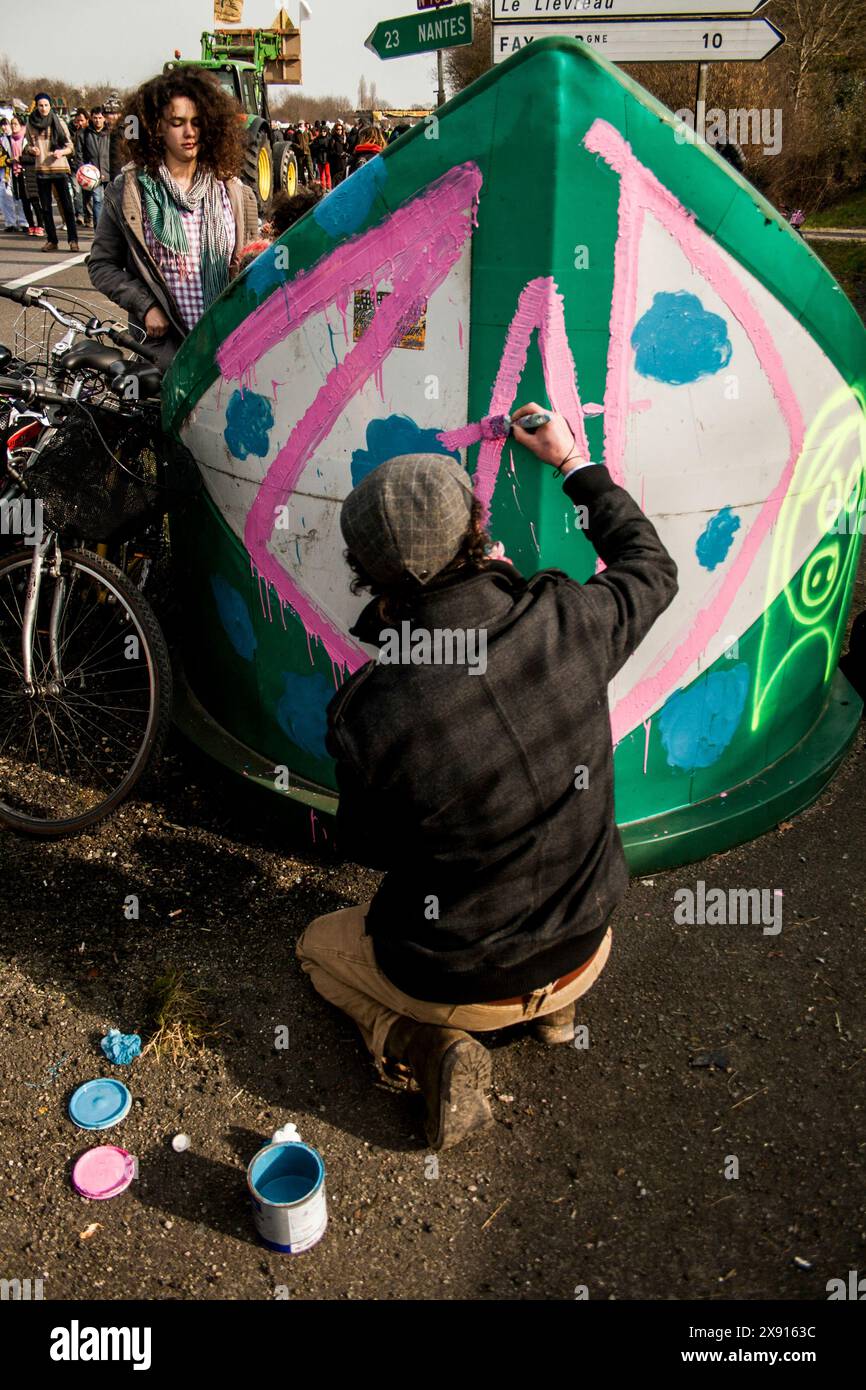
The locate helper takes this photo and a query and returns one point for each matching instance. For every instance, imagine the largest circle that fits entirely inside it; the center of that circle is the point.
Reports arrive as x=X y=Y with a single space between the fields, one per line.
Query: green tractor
x=244 y=61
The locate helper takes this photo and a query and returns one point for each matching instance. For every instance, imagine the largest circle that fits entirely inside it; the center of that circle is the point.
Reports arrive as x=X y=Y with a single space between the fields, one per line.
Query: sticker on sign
x=652 y=40
x=554 y=10
x=437 y=4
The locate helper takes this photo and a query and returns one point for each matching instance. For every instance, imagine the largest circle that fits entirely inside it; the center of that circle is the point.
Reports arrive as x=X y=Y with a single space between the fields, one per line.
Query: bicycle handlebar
x=36 y=299
x=29 y=389
x=19 y=296
x=125 y=340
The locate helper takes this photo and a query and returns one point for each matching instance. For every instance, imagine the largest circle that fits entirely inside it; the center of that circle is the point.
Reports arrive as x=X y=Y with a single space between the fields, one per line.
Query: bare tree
x=294 y=107
x=820 y=33
x=463 y=65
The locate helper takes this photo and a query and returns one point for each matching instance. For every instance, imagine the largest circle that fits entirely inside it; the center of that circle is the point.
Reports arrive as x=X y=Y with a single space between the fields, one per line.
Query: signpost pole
x=701 y=101
x=440 y=70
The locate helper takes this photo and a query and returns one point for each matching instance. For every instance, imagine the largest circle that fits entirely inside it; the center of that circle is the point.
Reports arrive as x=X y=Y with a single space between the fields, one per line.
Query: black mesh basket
x=106 y=473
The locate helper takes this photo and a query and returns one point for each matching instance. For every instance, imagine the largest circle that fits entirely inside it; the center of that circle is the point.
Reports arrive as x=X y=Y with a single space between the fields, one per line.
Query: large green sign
x=421 y=33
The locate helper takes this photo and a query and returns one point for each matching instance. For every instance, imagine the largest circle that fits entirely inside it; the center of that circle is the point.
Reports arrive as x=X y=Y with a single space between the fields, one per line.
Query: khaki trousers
x=338 y=957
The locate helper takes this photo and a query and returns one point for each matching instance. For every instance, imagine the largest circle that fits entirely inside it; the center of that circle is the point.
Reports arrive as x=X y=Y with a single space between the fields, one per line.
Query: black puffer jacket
x=502 y=872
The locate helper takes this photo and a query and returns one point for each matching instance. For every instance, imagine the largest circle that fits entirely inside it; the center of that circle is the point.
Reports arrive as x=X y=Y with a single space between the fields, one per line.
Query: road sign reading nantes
x=449 y=27
x=706 y=40
x=553 y=10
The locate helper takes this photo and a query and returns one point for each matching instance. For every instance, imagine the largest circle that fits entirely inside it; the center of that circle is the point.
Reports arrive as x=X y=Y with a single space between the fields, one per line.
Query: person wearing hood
x=49 y=141
x=176 y=218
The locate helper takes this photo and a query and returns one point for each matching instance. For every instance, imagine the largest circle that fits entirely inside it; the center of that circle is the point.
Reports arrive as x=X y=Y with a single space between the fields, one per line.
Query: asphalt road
x=22 y=258
x=606 y=1166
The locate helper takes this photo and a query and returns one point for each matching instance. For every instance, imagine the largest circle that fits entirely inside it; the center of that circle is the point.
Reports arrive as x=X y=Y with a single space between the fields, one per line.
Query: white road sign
x=554 y=10
x=652 y=40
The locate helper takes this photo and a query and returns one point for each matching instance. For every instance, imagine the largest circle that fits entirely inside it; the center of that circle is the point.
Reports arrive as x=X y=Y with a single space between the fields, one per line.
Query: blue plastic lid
x=99 y=1104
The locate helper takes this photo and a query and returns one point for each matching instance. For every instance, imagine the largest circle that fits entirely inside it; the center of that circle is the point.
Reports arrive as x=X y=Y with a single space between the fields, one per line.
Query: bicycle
x=57 y=360
x=85 y=672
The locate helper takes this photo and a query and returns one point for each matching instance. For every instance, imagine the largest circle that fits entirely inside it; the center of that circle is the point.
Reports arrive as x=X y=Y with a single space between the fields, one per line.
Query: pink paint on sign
x=539 y=307
x=642 y=193
x=415 y=248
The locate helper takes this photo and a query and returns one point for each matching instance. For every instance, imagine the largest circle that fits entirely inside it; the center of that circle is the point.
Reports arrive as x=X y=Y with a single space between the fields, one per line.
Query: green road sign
x=422 y=33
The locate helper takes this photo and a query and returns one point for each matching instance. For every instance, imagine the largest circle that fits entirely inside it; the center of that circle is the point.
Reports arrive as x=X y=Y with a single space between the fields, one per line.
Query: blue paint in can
x=286 y=1183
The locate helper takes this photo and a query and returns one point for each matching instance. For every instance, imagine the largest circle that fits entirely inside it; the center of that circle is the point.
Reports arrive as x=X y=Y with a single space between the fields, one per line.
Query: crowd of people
x=48 y=162
x=51 y=163
x=331 y=150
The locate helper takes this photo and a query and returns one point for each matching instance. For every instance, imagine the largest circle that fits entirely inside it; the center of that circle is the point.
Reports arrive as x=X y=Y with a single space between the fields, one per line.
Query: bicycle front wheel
x=75 y=741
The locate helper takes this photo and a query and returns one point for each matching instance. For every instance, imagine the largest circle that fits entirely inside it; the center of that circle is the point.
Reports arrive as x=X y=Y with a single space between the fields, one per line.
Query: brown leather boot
x=453 y=1073
x=555 y=1028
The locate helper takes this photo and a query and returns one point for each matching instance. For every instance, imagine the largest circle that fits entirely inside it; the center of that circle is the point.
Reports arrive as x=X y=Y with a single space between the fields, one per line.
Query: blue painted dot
x=389 y=438
x=234 y=616
x=302 y=711
x=249 y=417
x=717 y=537
x=677 y=340
x=348 y=206
x=263 y=273
x=697 y=724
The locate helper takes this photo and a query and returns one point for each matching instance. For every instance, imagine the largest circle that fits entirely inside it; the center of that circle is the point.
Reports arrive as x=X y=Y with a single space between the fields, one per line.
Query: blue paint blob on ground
x=717 y=537
x=234 y=616
x=348 y=206
x=677 y=340
x=697 y=724
x=302 y=711
x=389 y=438
x=249 y=417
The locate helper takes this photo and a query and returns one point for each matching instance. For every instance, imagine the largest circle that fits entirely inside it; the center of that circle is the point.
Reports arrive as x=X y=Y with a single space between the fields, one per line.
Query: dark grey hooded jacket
x=502 y=866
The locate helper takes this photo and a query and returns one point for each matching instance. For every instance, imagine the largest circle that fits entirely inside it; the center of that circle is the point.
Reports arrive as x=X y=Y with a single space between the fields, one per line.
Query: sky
x=127 y=41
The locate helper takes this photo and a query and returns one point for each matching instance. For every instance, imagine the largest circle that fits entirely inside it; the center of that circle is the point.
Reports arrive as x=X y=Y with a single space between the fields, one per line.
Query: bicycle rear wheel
x=72 y=749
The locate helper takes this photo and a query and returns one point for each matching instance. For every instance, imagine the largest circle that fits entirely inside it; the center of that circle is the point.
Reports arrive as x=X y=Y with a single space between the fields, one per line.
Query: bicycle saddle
x=5 y=355
x=148 y=376
x=91 y=355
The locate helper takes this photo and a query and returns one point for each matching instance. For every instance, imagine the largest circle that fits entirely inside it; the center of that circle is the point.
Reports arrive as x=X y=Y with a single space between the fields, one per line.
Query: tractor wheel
x=259 y=170
x=285 y=169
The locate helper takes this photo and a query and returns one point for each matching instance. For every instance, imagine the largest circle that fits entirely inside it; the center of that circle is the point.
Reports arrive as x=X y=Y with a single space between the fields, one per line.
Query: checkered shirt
x=182 y=274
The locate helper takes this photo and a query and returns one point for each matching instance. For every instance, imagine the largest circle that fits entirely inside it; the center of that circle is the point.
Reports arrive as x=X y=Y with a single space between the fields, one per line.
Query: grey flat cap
x=409 y=515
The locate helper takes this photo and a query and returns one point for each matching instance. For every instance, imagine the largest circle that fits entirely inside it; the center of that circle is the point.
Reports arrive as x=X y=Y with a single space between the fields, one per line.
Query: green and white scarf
x=162 y=201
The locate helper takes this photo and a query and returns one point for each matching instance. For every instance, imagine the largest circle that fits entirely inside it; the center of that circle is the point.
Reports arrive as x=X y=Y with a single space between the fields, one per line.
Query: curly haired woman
x=176 y=218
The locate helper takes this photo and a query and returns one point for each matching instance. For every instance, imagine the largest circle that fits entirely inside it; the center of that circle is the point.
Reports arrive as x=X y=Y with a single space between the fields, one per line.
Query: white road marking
x=49 y=270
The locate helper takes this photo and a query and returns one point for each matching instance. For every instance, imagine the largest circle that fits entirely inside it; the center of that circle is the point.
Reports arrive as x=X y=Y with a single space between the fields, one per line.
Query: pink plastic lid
x=103 y=1172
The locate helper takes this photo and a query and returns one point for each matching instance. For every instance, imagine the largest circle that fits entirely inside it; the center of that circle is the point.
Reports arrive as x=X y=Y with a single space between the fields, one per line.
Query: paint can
x=286 y=1182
